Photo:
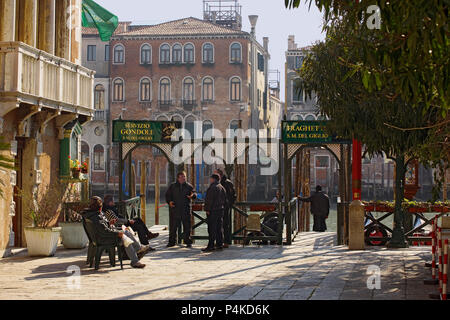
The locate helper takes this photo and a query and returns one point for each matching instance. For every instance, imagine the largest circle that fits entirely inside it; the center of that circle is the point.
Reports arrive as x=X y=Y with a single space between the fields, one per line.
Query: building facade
x=202 y=74
x=45 y=95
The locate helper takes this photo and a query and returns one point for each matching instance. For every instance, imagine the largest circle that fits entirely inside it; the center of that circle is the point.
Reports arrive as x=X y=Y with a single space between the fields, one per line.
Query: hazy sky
x=275 y=21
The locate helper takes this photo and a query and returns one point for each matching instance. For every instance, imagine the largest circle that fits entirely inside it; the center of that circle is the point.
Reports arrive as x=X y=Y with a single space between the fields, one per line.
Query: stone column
x=75 y=32
x=62 y=32
x=27 y=22
x=7 y=20
x=46 y=34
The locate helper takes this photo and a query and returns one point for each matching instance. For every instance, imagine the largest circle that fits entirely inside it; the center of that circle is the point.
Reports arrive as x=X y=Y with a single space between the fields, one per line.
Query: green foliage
x=408 y=54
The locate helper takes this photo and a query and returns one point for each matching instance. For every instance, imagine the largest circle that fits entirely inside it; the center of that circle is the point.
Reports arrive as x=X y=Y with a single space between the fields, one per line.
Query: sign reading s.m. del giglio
x=142 y=131
x=308 y=132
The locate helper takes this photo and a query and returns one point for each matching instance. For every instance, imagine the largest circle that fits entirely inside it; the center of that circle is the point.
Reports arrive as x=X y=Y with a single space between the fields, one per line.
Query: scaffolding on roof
x=226 y=13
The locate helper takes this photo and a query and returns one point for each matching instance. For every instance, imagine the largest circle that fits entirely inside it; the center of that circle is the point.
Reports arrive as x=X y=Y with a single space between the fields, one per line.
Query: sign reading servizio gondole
x=139 y=131
x=307 y=132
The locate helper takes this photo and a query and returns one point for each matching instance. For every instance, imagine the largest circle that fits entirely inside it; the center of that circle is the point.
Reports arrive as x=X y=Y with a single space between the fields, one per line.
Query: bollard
x=356 y=226
x=433 y=250
x=444 y=275
x=439 y=260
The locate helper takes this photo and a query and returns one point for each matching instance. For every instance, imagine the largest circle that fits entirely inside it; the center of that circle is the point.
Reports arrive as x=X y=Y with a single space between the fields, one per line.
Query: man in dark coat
x=320 y=209
x=112 y=214
x=214 y=205
x=107 y=233
x=230 y=199
x=179 y=196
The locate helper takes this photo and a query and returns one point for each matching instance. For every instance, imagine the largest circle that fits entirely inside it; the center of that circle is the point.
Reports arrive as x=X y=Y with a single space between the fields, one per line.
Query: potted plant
x=84 y=168
x=42 y=238
x=75 y=168
x=73 y=235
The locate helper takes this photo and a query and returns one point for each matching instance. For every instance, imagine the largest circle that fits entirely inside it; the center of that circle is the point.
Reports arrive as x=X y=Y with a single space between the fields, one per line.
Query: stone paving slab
x=313 y=268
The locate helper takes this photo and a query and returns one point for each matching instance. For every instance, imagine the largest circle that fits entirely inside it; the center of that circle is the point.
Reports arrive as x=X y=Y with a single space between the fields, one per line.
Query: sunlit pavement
x=312 y=268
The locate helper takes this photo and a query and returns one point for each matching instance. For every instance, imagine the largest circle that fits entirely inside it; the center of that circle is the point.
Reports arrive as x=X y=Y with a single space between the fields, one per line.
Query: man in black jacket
x=230 y=199
x=320 y=209
x=179 y=197
x=108 y=233
x=214 y=205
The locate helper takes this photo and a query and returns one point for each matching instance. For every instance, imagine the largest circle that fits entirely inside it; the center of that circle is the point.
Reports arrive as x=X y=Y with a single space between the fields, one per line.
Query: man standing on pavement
x=320 y=209
x=214 y=206
x=179 y=197
x=230 y=199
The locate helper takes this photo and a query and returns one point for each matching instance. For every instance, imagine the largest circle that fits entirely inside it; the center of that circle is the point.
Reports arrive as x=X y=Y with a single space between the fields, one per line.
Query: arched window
x=208 y=53
x=208 y=89
x=146 y=54
x=310 y=118
x=99 y=157
x=145 y=90
x=99 y=97
x=297 y=117
x=177 y=53
x=207 y=125
x=119 y=54
x=189 y=53
x=84 y=151
x=234 y=125
x=164 y=91
x=164 y=53
x=188 y=90
x=236 y=53
x=235 y=89
x=118 y=94
x=189 y=125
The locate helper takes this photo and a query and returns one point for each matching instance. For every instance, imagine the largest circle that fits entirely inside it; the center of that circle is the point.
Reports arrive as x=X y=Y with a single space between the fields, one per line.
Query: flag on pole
x=95 y=16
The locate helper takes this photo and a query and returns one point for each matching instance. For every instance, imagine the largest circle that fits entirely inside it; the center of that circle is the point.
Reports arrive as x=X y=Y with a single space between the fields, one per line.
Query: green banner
x=137 y=131
x=307 y=132
x=95 y=16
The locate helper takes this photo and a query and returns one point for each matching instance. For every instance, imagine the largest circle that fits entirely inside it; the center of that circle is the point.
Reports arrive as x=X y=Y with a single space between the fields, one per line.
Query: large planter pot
x=73 y=235
x=42 y=241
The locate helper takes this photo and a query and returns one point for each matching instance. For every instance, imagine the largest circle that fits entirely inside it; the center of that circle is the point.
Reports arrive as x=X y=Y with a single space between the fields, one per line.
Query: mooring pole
x=120 y=172
x=143 y=191
x=157 y=193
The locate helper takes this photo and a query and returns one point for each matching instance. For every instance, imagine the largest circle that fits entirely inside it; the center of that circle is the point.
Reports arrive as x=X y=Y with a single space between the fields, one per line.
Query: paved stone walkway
x=312 y=268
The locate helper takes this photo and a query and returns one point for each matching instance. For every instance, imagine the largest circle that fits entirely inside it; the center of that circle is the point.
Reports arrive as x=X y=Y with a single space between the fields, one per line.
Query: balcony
x=165 y=104
x=100 y=115
x=38 y=78
x=188 y=104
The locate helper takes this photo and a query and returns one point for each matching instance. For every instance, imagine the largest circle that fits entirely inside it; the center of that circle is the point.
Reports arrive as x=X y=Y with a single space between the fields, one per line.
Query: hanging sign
x=140 y=131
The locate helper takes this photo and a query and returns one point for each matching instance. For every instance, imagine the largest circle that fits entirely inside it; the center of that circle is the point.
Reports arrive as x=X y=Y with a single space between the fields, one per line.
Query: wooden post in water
x=143 y=191
x=156 y=193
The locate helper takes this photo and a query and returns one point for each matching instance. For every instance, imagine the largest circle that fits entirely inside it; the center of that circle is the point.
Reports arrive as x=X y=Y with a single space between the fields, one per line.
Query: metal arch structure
x=300 y=135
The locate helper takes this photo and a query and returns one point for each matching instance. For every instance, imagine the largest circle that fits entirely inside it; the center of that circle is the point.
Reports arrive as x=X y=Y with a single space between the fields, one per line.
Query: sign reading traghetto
x=140 y=131
x=307 y=132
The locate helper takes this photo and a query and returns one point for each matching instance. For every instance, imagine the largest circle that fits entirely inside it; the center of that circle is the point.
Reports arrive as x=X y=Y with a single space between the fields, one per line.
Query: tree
x=408 y=53
x=356 y=112
x=5 y=161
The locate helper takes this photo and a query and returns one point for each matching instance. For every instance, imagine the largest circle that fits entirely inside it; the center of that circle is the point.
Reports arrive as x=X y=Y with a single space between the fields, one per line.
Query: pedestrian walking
x=320 y=208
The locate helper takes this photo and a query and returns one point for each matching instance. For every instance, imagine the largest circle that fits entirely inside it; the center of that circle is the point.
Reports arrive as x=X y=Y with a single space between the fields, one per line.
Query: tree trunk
x=398 y=235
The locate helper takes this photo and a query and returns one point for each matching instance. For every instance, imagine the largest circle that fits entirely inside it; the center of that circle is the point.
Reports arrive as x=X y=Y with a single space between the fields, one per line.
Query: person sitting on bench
x=111 y=213
x=105 y=229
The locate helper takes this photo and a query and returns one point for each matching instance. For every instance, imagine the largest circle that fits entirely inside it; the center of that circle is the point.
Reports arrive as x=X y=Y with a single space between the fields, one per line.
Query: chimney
x=253 y=19
x=266 y=43
x=291 y=42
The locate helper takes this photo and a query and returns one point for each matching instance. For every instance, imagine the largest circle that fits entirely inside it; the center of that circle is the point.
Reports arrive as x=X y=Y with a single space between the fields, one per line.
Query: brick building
x=198 y=72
